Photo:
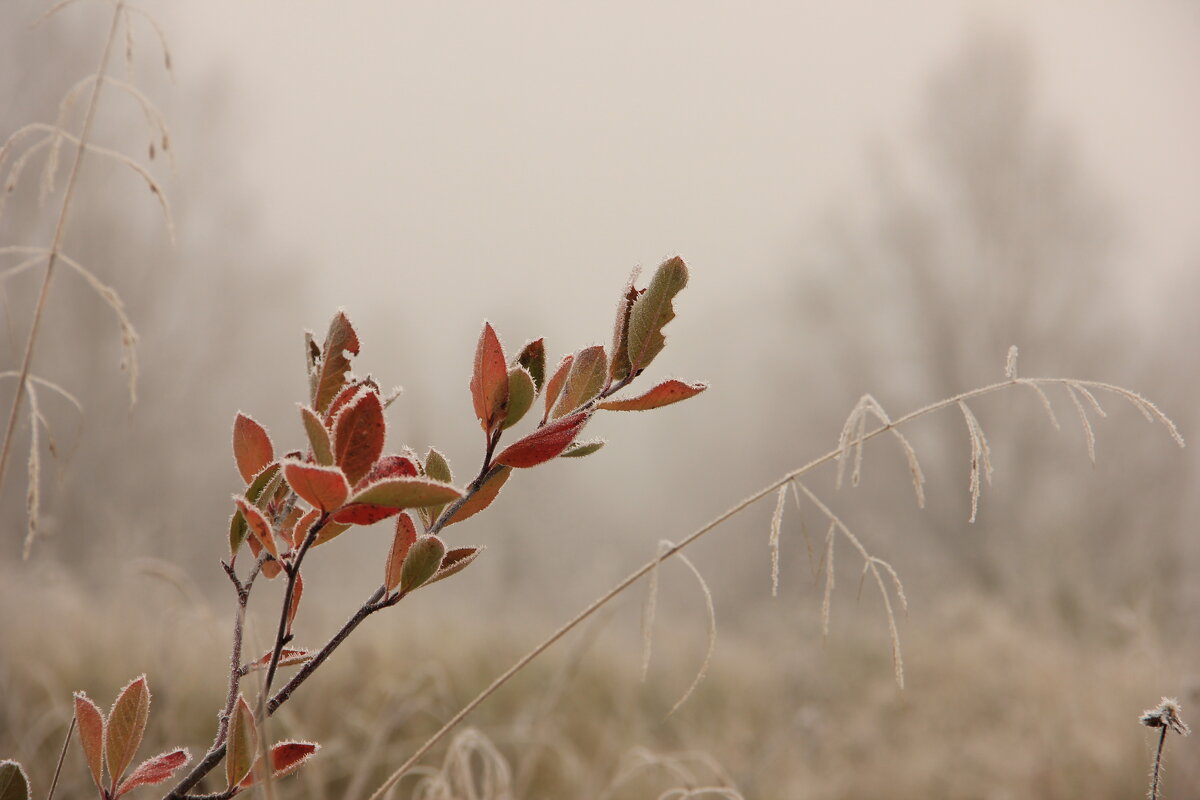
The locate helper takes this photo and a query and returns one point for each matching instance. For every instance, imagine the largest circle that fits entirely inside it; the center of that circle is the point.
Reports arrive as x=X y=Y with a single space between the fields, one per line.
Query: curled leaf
x=581 y=449
x=664 y=394
x=286 y=758
x=254 y=493
x=288 y=657
x=545 y=443
x=533 y=359
x=618 y=369
x=251 y=446
x=258 y=525
x=455 y=561
x=325 y=488
x=297 y=591
x=652 y=310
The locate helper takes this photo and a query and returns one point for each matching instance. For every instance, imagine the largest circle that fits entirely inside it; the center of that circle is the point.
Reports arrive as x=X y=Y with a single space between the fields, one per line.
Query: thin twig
x=61 y=757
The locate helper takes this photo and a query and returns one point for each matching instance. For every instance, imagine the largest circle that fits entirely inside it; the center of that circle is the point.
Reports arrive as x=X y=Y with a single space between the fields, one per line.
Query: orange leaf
x=362 y=514
x=154 y=770
x=325 y=488
x=483 y=497
x=286 y=758
x=358 y=435
x=489 y=381
x=297 y=590
x=545 y=443
x=406 y=535
x=242 y=748
x=664 y=394
x=91 y=735
x=288 y=657
x=331 y=374
x=259 y=527
x=251 y=447
x=126 y=724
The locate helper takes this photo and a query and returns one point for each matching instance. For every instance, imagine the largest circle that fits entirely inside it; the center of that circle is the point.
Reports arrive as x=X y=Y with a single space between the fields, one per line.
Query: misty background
x=871 y=199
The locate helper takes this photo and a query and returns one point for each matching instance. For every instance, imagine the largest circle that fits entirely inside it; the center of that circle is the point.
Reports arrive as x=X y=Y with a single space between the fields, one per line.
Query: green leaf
x=589 y=371
x=554 y=386
x=318 y=436
x=237 y=524
x=423 y=560
x=126 y=724
x=520 y=395
x=533 y=359
x=331 y=373
x=652 y=310
x=90 y=723
x=581 y=449
x=489 y=380
x=664 y=394
x=14 y=784
x=406 y=493
x=251 y=446
x=438 y=468
x=242 y=745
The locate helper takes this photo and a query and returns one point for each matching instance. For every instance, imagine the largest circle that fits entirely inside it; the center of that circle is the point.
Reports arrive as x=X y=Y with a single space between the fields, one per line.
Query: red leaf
x=664 y=394
x=297 y=591
x=154 y=770
x=325 y=488
x=390 y=467
x=358 y=435
x=545 y=443
x=331 y=374
x=91 y=735
x=483 y=497
x=489 y=381
x=286 y=758
x=125 y=726
x=251 y=447
x=406 y=535
x=555 y=384
x=302 y=526
x=259 y=527
x=363 y=514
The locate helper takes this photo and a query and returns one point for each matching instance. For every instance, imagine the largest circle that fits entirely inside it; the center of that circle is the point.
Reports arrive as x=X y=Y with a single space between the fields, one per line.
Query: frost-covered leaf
x=258 y=525
x=489 y=380
x=406 y=535
x=251 y=446
x=390 y=467
x=483 y=497
x=533 y=359
x=589 y=371
x=331 y=373
x=90 y=722
x=255 y=492
x=286 y=758
x=520 y=395
x=154 y=770
x=455 y=561
x=325 y=488
x=546 y=443
x=14 y=783
x=358 y=435
x=318 y=436
x=242 y=745
x=343 y=398
x=652 y=310
x=581 y=449
x=363 y=514
x=438 y=468
x=331 y=530
x=423 y=560
x=288 y=657
x=297 y=593
x=664 y=394
x=618 y=368
x=126 y=724
x=406 y=493
x=554 y=386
